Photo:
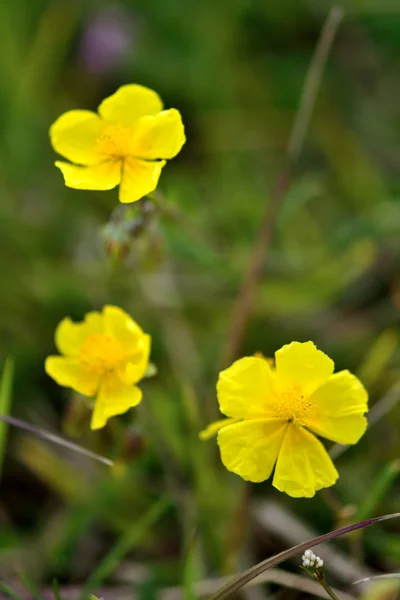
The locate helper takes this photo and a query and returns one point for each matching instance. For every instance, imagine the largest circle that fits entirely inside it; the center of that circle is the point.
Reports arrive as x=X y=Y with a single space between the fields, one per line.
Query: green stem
x=326 y=587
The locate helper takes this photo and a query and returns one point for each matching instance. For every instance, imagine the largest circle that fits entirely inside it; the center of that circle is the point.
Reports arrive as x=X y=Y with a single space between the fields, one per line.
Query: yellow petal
x=135 y=342
x=159 y=136
x=340 y=404
x=245 y=389
x=70 y=336
x=114 y=398
x=130 y=103
x=213 y=428
x=302 y=365
x=250 y=448
x=102 y=176
x=303 y=464
x=74 y=135
x=139 y=178
x=121 y=325
x=137 y=367
x=69 y=373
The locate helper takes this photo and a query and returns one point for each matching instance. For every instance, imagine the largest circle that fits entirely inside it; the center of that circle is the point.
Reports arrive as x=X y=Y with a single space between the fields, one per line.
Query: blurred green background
x=168 y=513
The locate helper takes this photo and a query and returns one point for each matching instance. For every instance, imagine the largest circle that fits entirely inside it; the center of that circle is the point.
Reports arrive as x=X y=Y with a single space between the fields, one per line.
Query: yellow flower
x=126 y=144
x=104 y=356
x=274 y=414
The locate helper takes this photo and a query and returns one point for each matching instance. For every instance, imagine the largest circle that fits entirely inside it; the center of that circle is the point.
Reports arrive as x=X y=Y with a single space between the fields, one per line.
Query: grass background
x=168 y=513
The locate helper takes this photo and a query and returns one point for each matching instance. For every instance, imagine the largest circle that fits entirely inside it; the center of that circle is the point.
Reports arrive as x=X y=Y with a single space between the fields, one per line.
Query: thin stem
x=55 y=439
x=242 y=309
x=326 y=587
x=238 y=582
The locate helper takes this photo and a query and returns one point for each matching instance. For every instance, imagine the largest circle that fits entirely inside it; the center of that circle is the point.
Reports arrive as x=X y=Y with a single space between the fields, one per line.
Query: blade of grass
x=128 y=541
x=250 y=574
x=9 y=592
x=379 y=489
x=148 y=589
x=56 y=590
x=5 y=404
x=373 y=577
x=378 y=357
x=190 y=570
x=30 y=586
x=56 y=439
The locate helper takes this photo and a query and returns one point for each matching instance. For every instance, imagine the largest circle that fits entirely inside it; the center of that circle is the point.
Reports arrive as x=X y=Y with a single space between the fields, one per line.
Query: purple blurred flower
x=109 y=35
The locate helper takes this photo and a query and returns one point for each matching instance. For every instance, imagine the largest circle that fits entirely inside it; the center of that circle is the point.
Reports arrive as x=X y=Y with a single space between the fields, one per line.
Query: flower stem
x=326 y=587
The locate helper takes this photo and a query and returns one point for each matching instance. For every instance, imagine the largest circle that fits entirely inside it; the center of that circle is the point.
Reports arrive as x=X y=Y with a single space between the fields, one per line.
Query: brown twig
x=243 y=306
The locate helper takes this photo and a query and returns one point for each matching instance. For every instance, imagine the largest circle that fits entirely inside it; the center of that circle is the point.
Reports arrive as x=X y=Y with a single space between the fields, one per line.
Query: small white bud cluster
x=311 y=561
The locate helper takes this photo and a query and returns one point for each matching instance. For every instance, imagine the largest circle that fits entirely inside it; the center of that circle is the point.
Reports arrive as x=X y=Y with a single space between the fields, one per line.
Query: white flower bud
x=310 y=560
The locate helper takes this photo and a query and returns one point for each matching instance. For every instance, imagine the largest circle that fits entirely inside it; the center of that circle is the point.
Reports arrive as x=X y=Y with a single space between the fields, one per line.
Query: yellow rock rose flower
x=127 y=143
x=104 y=356
x=274 y=414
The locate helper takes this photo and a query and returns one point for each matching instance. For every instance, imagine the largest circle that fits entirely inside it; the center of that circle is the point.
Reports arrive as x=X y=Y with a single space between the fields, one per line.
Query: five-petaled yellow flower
x=274 y=414
x=127 y=143
x=104 y=356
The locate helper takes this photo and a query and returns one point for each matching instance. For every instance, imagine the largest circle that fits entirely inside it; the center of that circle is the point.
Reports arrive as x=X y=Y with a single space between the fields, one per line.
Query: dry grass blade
x=242 y=309
x=206 y=587
x=373 y=577
x=55 y=439
x=275 y=520
x=251 y=573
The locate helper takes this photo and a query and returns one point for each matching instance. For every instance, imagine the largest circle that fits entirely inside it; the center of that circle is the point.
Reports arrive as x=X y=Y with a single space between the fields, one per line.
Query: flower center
x=101 y=354
x=115 y=141
x=294 y=405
